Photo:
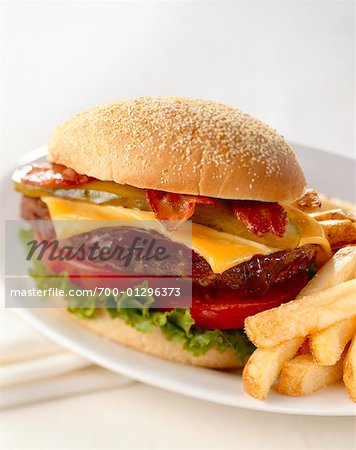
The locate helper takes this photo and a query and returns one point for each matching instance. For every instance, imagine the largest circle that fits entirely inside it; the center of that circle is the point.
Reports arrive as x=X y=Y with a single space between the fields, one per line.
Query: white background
x=288 y=63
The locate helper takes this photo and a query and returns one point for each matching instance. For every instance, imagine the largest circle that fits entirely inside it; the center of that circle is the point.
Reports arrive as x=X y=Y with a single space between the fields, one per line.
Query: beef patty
x=253 y=277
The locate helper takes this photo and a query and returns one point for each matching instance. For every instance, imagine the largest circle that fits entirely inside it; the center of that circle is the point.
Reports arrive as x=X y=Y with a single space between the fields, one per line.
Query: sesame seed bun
x=155 y=343
x=182 y=145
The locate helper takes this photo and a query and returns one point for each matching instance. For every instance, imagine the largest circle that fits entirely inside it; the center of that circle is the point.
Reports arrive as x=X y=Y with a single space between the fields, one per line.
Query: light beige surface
x=142 y=417
x=289 y=63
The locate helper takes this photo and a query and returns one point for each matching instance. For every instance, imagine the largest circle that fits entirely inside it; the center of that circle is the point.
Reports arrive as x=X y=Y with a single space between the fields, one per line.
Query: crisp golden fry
x=264 y=365
x=350 y=370
x=331 y=214
x=341 y=267
x=303 y=376
x=328 y=345
x=339 y=232
x=300 y=318
x=335 y=203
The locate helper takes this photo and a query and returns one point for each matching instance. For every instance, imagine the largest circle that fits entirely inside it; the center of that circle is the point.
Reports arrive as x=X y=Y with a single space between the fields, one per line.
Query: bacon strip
x=261 y=217
x=53 y=176
x=178 y=207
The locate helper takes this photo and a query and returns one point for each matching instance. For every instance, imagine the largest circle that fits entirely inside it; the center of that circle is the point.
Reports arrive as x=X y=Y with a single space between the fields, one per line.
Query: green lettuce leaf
x=177 y=325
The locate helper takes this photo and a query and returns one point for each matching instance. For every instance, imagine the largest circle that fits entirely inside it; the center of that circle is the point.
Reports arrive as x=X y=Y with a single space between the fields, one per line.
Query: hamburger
x=166 y=159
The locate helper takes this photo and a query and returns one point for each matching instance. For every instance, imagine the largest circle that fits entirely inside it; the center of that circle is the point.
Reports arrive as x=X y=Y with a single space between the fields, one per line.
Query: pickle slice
x=121 y=190
x=31 y=191
x=98 y=192
x=219 y=218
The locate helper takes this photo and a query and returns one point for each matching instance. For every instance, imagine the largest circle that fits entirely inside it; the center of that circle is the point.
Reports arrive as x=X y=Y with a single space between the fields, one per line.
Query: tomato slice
x=224 y=309
x=211 y=308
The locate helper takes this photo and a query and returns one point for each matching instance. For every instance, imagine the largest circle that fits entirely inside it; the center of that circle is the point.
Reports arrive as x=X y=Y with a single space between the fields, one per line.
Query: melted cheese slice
x=310 y=230
x=221 y=250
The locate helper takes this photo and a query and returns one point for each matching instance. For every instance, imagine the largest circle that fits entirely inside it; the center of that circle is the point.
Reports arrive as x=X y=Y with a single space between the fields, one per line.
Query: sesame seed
x=190 y=135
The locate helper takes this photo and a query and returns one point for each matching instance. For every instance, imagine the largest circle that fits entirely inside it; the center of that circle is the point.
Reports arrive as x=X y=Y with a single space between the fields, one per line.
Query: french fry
x=264 y=365
x=331 y=214
x=341 y=267
x=339 y=232
x=328 y=345
x=334 y=203
x=300 y=318
x=350 y=370
x=303 y=376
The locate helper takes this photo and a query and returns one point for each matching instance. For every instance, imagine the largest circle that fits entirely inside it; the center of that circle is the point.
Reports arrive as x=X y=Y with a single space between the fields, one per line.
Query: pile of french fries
x=339 y=227
x=310 y=343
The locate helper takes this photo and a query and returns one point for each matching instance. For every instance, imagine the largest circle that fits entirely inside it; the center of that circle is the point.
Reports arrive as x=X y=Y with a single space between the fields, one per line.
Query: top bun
x=183 y=145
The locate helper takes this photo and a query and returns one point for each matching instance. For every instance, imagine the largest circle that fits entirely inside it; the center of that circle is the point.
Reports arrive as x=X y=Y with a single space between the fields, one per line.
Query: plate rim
x=35 y=320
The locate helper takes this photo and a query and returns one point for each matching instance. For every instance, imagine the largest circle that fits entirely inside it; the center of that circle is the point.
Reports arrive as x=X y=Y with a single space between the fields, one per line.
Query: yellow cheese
x=221 y=250
x=310 y=230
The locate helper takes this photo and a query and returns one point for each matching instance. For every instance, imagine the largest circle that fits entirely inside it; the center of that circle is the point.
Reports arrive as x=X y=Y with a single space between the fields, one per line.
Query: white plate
x=336 y=178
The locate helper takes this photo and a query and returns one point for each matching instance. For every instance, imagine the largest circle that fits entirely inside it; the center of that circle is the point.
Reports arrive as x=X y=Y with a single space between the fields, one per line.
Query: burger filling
x=246 y=256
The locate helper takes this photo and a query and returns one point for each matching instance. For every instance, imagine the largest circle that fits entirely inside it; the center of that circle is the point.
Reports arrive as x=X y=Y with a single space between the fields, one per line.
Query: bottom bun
x=156 y=344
